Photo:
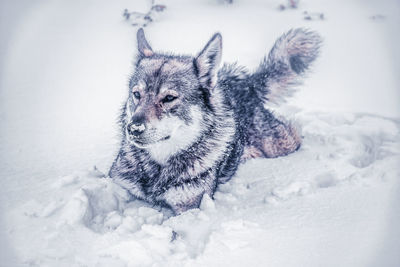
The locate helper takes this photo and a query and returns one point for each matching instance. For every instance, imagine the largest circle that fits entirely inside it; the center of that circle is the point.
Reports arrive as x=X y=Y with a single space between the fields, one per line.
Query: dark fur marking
x=206 y=98
x=212 y=57
x=297 y=64
x=195 y=68
x=158 y=71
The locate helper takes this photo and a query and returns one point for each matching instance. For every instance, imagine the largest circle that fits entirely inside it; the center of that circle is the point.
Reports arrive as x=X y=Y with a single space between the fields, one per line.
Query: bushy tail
x=289 y=58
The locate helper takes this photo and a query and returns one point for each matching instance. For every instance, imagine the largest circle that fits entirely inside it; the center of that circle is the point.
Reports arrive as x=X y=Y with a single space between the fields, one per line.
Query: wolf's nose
x=136 y=129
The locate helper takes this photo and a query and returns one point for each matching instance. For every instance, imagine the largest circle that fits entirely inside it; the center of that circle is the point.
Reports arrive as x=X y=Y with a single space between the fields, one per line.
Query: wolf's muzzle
x=136 y=129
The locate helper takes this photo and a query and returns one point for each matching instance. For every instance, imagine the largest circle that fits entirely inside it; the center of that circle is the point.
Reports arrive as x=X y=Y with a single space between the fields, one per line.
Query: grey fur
x=186 y=126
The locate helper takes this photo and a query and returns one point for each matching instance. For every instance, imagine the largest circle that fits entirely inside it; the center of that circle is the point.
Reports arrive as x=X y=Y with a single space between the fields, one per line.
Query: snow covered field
x=63 y=76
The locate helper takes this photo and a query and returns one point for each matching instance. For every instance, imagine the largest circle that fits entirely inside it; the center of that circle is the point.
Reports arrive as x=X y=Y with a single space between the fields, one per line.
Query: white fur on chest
x=184 y=136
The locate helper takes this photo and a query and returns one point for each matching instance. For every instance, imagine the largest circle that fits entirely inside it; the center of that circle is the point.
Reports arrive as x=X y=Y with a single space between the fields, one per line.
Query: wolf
x=187 y=125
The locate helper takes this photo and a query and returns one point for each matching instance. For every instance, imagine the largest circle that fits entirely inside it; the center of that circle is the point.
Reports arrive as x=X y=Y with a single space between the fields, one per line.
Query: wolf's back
x=286 y=63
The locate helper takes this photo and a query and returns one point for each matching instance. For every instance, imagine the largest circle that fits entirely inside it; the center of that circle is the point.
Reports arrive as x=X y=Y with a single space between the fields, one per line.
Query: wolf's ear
x=143 y=46
x=208 y=60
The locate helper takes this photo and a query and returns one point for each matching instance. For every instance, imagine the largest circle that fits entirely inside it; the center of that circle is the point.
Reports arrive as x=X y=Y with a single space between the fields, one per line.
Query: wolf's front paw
x=180 y=204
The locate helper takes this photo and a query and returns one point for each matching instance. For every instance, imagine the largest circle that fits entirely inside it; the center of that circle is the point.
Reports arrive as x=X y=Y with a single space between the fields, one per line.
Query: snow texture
x=63 y=75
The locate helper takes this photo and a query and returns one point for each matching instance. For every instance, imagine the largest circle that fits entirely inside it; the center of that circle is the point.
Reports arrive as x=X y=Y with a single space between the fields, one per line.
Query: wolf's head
x=168 y=96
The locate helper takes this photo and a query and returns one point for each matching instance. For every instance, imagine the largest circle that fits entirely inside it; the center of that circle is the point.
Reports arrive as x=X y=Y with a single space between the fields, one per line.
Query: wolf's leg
x=180 y=207
x=183 y=198
x=283 y=139
x=270 y=137
x=251 y=152
x=280 y=141
x=188 y=195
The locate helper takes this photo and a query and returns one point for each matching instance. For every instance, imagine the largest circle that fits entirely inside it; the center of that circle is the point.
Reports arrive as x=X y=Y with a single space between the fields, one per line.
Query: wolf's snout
x=136 y=129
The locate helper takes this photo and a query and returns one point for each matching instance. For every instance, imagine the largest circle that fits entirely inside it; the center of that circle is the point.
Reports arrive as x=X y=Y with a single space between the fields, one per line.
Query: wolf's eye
x=136 y=95
x=169 y=98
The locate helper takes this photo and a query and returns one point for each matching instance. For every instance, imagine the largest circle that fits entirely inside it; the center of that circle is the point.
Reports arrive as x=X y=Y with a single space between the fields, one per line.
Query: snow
x=63 y=77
